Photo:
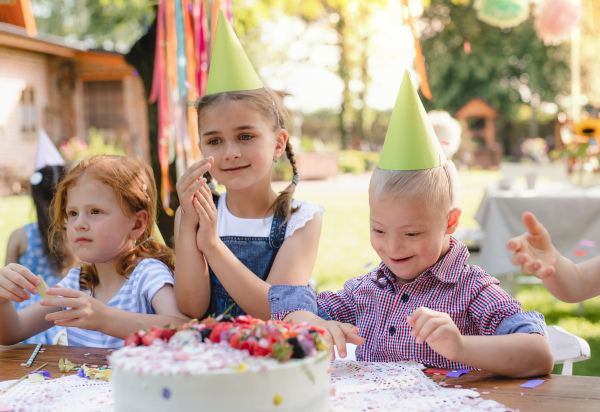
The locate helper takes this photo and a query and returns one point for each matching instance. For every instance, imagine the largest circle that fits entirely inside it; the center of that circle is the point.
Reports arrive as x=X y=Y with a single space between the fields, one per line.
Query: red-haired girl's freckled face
x=97 y=229
x=241 y=141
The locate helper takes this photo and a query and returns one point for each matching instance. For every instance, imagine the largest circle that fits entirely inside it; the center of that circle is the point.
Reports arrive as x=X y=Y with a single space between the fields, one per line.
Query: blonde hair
x=133 y=183
x=436 y=189
x=270 y=105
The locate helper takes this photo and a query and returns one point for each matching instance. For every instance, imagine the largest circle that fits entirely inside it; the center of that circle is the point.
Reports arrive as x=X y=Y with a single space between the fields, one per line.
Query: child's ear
x=280 y=143
x=453 y=218
x=141 y=220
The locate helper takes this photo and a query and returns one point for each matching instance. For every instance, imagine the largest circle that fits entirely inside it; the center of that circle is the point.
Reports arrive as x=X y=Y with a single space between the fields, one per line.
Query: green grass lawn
x=15 y=211
x=345 y=251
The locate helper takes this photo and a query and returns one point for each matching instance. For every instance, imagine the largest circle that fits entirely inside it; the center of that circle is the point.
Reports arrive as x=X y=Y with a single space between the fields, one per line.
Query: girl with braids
x=105 y=209
x=231 y=247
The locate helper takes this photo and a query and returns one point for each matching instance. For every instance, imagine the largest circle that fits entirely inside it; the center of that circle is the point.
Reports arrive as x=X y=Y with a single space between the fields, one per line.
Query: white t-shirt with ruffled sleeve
x=230 y=225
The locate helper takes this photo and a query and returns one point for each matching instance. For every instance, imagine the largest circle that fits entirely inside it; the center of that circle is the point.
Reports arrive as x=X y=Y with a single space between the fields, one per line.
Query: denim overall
x=256 y=253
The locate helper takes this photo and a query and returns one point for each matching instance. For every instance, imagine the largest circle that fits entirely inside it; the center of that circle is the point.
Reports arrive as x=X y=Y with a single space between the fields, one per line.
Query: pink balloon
x=554 y=20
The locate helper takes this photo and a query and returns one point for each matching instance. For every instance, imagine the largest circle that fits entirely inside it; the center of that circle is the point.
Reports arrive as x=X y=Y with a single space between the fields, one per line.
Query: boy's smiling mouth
x=401 y=259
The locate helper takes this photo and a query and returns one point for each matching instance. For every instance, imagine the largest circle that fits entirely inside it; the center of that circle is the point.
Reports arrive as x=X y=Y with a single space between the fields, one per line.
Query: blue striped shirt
x=148 y=277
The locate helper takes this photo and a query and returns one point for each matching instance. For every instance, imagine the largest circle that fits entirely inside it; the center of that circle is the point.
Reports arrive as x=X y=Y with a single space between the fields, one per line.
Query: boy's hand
x=187 y=186
x=15 y=282
x=533 y=250
x=438 y=330
x=339 y=334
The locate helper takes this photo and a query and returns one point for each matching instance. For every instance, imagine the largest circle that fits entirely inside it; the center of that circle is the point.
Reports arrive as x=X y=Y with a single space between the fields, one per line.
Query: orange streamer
x=419 y=60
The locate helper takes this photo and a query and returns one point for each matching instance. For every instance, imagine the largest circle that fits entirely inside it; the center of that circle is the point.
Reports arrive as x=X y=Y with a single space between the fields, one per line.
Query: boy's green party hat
x=230 y=69
x=410 y=142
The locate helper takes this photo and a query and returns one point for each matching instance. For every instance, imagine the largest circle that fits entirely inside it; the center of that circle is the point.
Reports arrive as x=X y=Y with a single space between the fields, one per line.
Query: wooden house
x=479 y=133
x=63 y=87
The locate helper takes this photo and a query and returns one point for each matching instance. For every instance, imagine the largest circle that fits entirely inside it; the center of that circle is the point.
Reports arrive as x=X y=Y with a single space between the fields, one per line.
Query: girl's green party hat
x=410 y=142
x=230 y=69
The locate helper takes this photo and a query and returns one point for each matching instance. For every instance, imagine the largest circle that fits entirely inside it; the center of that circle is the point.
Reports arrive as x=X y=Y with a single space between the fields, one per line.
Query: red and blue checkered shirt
x=379 y=306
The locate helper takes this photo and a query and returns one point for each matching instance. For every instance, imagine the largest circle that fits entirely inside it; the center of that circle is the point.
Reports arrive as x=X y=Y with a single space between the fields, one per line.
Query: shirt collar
x=448 y=269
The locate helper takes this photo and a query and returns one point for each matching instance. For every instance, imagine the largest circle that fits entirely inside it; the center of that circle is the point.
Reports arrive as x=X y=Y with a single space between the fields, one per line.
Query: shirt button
x=392 y=330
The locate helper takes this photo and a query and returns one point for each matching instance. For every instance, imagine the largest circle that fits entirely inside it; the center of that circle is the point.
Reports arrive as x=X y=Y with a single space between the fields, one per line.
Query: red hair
x=133 y=183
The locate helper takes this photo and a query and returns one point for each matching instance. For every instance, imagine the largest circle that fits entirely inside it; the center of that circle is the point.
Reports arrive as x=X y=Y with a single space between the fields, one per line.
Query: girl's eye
x=377 y=231
x=71 y=214
x=95 y=212
x=412 y=234
x=245 y=137
x=213 y=142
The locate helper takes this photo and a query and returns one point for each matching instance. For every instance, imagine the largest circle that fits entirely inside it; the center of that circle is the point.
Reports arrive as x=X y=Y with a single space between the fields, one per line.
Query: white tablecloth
x=356 y=387
x=570 y=213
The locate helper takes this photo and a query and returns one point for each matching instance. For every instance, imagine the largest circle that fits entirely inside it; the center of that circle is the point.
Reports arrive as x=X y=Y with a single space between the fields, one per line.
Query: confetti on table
x=532 y=383
x=580 y=253
x=20 y=379
x=95 y=373
x=587 y=243
x=45 y=374
x=66 y=365
x=42 y=288
x=436 y=371
x=457 y=373
x=36 y=377
x=33 y=355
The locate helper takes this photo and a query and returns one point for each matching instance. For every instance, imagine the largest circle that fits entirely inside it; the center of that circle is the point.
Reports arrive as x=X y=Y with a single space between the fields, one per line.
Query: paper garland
x=502 y=13
x=183 y=44
x=554 y=20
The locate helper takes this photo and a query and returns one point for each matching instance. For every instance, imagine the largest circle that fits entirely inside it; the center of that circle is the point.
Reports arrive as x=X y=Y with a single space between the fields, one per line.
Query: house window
x=103 y=102
x=27 y=113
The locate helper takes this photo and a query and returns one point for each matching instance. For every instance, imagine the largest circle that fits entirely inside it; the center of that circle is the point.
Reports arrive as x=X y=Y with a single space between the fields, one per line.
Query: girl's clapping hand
x=188 y=185
x=438 y=330
x=207 y=214
x=83 y=310
x=15 y=282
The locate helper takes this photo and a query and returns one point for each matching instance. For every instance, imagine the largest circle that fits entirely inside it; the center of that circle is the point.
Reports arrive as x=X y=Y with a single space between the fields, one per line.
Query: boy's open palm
x=533 y=250
x=438 y=330
x=84 y=311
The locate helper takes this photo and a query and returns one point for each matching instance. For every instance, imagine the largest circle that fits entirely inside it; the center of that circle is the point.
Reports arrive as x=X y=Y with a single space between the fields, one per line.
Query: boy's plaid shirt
x=379 y=306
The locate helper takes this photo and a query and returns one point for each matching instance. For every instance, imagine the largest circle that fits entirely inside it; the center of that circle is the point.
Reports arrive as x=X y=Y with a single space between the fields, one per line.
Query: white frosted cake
x=240 y=365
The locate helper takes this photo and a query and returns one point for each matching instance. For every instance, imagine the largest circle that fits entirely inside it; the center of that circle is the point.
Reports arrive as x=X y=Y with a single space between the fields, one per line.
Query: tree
x=107 y=24
x=509 y=68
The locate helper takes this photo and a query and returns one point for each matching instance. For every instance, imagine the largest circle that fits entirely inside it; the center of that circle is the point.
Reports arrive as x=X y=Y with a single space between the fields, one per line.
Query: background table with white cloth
x=570 y=213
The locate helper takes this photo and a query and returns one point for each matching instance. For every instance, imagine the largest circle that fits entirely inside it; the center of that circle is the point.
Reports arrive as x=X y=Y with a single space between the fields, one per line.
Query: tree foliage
x=107 y=24
x=506 y=67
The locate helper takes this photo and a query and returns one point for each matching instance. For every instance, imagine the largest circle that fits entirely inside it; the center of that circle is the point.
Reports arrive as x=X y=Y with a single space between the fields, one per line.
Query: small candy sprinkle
x=166 y=393
x=277 y=399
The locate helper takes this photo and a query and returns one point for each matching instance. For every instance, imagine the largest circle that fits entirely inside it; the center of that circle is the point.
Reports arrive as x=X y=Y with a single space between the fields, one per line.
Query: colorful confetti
x=587 y=243
x=532 y=383
x=580 y=253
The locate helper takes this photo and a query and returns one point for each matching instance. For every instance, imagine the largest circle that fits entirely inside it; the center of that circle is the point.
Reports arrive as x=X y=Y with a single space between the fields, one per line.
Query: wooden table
x=558 y=393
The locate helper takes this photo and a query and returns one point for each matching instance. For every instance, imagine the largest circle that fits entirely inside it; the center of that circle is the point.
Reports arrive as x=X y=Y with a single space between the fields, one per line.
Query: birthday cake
x=237 y=364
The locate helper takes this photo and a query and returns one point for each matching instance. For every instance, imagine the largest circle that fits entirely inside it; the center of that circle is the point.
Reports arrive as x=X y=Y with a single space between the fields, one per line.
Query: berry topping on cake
x=270 y=339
